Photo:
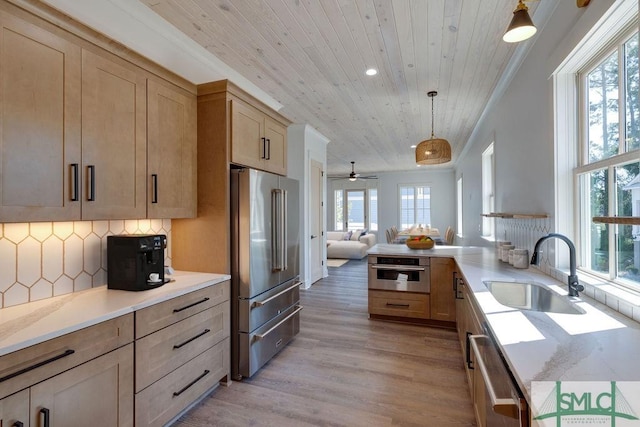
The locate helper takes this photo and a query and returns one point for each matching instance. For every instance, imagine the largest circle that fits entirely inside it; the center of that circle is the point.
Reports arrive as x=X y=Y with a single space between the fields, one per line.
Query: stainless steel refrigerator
x=265 y=240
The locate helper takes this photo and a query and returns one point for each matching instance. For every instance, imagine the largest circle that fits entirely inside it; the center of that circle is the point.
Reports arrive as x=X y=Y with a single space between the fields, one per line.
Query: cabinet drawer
x=402 y=304
x=21 y=369
x=159 y=353
x=162 y=401
x=158 y=316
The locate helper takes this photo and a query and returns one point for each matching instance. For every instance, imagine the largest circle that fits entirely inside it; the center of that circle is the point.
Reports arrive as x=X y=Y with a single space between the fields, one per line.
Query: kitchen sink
x=531 y=296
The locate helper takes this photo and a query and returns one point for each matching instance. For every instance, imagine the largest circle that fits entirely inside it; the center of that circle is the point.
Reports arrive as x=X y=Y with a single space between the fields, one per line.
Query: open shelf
x=515 y=215
x=628 y=220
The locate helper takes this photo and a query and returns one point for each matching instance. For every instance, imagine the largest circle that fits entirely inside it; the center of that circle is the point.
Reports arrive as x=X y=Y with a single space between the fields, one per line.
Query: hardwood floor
x=344 y=369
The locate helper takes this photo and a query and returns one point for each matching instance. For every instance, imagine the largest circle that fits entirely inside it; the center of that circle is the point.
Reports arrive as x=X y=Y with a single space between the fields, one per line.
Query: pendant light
x=434 y=150
x=521 y=26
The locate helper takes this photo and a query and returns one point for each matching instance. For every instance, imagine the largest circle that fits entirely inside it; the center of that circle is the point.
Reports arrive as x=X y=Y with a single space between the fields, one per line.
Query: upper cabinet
x=114 y=139
x=88 y=134
x=171 y=152
x=257 y=140
x=39 y=123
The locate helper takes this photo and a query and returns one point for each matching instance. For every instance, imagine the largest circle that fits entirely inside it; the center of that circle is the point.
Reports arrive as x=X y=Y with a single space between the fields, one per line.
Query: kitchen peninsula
x=598 y=345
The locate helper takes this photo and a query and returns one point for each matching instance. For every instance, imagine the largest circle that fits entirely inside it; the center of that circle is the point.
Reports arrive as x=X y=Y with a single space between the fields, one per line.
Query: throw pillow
x=356 y=235
x=347 y=235
x=364 y=232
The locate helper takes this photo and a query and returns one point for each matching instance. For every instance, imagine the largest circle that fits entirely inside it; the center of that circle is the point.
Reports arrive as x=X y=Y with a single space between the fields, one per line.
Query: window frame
x=488 y=191
x=459 y=204
x=415 y=187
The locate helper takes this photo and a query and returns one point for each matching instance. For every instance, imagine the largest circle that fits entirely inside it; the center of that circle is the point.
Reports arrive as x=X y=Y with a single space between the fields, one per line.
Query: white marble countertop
x=600 y=345
x=32 y=323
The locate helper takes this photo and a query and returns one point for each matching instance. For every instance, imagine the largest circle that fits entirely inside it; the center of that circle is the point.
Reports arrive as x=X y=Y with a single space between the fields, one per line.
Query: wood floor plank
x=345 y=369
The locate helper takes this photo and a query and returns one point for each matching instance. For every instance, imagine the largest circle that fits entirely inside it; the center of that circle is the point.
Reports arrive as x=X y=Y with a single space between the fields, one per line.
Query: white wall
x=443 y=196
x=520 y=123
x=304 y=144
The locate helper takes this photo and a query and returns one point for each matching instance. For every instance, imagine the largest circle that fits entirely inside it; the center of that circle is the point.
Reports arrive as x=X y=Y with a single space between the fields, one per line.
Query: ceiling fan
x=353 y=176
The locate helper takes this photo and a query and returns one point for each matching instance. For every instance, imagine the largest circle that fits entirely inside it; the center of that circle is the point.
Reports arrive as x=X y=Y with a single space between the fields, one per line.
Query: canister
x=504 y=254
x=521 y=258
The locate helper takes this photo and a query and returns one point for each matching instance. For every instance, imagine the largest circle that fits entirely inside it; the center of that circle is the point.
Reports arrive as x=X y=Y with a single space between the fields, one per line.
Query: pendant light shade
x=521 y=26
x=434 y=150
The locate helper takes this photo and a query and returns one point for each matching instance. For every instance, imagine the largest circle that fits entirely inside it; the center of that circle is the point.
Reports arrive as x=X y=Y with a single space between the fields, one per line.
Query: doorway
x=316 y=223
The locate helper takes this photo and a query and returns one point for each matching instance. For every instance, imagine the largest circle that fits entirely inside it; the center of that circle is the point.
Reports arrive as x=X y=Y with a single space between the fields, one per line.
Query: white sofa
x=354 y=248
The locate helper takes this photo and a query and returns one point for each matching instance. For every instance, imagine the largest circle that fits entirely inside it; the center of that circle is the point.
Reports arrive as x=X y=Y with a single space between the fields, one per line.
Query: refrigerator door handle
x=284 y=226
x=277 y=230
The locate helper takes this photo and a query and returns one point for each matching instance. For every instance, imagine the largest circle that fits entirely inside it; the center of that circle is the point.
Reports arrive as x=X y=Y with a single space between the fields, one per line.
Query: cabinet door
x=276 y=141
x=114 y=151
x=99 y=392
x=14 y=409
x=247 y=131
x=443 y=303
x=171 y=152
x=39 y=123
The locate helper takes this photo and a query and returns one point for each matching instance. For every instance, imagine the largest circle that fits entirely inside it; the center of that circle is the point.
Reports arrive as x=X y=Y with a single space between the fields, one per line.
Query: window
x=352 y=212
x=459 y=206
x=607 y=176
x=373 y=209
x=488 y=198
x=415 y=206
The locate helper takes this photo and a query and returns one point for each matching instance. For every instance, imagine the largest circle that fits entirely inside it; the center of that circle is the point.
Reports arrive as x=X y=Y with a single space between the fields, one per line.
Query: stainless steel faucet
x=574 y=285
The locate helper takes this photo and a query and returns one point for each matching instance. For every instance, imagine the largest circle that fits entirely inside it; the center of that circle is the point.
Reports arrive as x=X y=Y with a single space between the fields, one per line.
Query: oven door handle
x=507 y=406
x=274 y=327
x=272 y=297
x=397 y=267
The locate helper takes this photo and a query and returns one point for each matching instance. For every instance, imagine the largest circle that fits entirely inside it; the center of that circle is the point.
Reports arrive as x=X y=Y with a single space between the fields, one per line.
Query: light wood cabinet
x=114 y=146
x=204 y=244
x=39 y=123
x=14 y=410
x=73 y=380
x=182 y=351
x=171 y=152
x=257 y=141
x=99 y=392
x=443 y=303
x=399 y=304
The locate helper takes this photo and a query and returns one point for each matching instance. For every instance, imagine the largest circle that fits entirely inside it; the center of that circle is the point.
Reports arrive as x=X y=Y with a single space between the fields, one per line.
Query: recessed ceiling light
x=371 y=72
x=413 y=146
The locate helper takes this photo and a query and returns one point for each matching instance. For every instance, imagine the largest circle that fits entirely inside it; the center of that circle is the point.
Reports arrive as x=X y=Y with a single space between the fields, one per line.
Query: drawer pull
x=37 y=365
x=17 y=424
x=261 y=303
x=390 y=304
x=261 y=336
x=178 y=310
x=206 y=331
x=185 y=388
x=45 y=412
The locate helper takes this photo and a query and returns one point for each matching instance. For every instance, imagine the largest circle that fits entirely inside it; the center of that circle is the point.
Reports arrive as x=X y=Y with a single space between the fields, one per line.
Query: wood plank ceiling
x=311 y=56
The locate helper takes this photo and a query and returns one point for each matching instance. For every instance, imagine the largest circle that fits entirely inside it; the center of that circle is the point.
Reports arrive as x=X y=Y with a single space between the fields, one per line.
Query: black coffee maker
x=135 y=262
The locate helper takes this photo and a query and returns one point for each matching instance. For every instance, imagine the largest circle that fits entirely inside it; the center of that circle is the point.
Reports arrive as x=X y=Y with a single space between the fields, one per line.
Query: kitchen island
x=599 y=345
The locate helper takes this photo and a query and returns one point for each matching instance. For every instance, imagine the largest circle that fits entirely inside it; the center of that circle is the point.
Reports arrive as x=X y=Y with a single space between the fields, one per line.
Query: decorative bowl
x=420 y=244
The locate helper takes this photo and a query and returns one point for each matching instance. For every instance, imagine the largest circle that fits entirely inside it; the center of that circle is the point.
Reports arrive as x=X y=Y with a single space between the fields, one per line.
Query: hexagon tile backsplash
x=44 y=259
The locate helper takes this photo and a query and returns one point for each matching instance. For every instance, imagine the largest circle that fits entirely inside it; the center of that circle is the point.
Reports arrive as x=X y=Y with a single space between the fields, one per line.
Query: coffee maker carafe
x=135 y=262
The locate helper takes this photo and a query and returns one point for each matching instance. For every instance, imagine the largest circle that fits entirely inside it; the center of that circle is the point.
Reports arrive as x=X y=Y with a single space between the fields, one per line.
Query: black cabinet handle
x=91 y=169
x=455 y=283
x=467 y=351
x=37 y=365
x=45 y=412
x=389 y=304
x=154 y=186
x=206 y=331
x=268 y=156
x=74 y=183
x=17 y=424
x=178 y=310
x=185 y=388
x=264 y=148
